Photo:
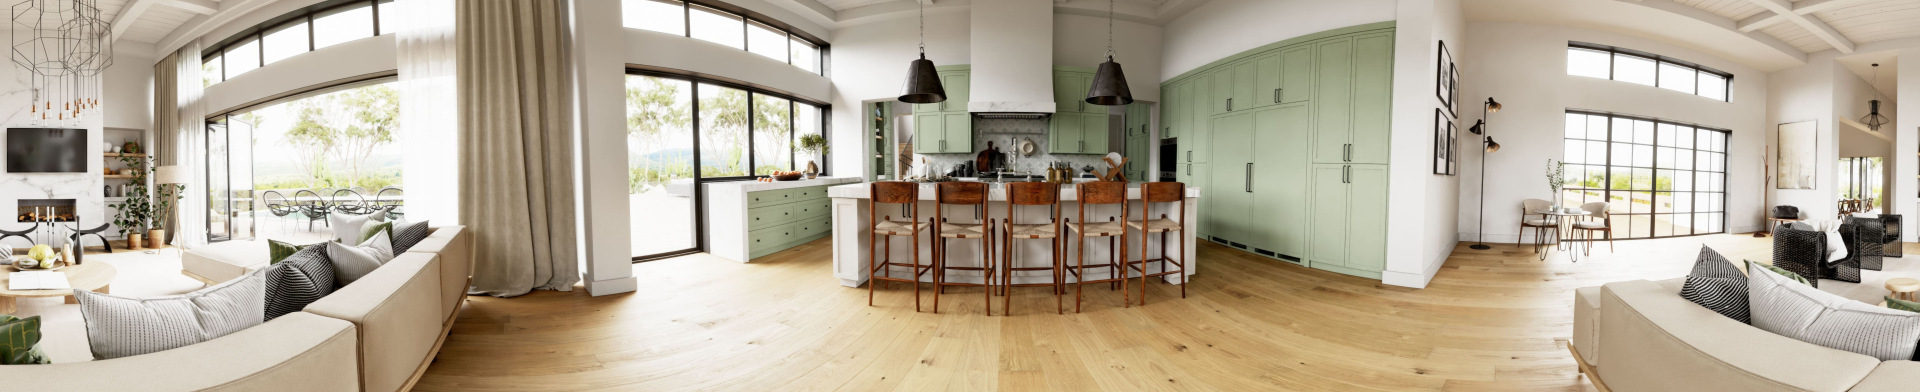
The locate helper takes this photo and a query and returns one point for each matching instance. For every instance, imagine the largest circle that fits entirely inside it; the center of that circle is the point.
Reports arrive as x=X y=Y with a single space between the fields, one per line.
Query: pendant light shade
x=1874 y=120
x=1109 y=86
x=923 y=83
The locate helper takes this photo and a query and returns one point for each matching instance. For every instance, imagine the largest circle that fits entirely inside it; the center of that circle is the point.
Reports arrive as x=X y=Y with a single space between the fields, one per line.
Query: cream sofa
x=377 y=334
x=1642 y=336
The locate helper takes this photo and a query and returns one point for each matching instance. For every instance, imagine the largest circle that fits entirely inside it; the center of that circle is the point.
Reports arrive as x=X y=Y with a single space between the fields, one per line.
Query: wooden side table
x=95 y=277
x=1903 y=288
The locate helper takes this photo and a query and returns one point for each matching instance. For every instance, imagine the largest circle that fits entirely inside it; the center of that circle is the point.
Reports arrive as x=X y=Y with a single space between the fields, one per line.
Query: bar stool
x=906 y=194
x=1100 y=193
x=1160 y=192
x=1032 y=194
x=962 y=194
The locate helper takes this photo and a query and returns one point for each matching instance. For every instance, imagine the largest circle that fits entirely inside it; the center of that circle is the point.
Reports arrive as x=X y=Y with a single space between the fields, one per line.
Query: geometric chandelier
x=66 y=45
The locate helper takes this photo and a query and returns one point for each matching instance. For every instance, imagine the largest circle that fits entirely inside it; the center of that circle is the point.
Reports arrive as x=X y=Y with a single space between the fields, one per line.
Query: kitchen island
x=852 y=237
x=748 y=219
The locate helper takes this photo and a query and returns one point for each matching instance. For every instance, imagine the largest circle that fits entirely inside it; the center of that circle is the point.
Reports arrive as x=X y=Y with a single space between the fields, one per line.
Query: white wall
x=1223 y=28
x=1805 y=94
x=1523 y=66
x=16 y=93
x=1081 y=41
x=324 y=66
x=1425 y=204
x=1907 y=127
x=644 y=47
x=606 y=248
x=127 y=101
x=1850 y=96
x=870 y=62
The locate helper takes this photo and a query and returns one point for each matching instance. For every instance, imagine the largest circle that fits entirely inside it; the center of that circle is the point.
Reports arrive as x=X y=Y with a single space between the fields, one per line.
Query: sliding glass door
x=219 y=227
x=1658 y=178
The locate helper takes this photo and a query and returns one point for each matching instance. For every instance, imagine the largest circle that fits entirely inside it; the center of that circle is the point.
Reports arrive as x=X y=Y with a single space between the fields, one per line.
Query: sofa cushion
x=224 y=261
x=352 y=262
x=121 y=327
x=1717 y=285
x=1891 y=376
x=1901 y=304
x=298 y=353
x=1801 y=312
x=20 y=341
x=1653 y=340
x=304 y=277
x=278 y=250
x=346 y=228
x=371 y=228
x=1783 y=272
x=406 y=234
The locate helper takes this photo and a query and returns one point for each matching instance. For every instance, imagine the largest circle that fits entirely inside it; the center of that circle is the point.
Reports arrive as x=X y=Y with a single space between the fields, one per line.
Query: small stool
x=880 y=264
x=962 y=194
x=1161 y=192
x=1032 y=194
x=1100 y=193
x=1903 y=288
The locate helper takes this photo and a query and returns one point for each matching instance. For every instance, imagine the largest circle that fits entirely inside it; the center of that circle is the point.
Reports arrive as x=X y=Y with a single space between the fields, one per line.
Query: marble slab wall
x=1000 y=132
x=87 y=189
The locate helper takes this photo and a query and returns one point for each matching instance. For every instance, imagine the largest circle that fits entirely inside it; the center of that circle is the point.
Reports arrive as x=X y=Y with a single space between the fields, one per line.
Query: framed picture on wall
x=1442 y=143
x=1453 y=81
x=1445 y=79
x=1453 y=149
x=1799 y=147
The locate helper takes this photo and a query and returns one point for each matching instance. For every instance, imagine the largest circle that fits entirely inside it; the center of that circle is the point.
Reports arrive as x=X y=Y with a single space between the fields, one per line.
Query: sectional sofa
x=1642 y=336
x=377 y=334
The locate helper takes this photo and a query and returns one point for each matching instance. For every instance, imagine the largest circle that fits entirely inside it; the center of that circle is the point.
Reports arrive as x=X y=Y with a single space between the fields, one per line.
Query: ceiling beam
x=203 y=7
x=1722 y=22
x=129 y=14
x=1804 y=7
x=1819 y=28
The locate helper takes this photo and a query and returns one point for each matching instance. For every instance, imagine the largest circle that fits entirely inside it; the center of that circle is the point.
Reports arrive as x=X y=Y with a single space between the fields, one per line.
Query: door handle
x=1248 y=183
x=1189 y=170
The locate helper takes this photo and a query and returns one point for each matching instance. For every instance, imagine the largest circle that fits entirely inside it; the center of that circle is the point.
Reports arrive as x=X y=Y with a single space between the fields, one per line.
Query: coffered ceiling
x=1817 y=25
x=840 y=13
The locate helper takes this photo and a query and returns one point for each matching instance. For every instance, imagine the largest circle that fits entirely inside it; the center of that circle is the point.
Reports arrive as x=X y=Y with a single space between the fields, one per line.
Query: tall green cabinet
x=1077 y=127
x=1289 y=144
x=946 y=127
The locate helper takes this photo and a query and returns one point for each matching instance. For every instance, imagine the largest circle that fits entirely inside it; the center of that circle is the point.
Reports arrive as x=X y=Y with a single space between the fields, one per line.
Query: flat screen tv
x=46 y=150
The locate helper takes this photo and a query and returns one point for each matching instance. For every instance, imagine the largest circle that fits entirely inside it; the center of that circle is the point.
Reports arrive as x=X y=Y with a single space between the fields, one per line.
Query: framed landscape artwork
x=1798 y=162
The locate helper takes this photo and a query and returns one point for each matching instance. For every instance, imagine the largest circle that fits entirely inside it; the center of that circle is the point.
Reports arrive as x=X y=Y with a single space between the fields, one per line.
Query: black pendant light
x=923 y=83
x=1873 y=119
x=1109 y=83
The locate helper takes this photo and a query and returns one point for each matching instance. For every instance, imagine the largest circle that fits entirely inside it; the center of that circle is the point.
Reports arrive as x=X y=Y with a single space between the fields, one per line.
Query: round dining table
x=1563 y=224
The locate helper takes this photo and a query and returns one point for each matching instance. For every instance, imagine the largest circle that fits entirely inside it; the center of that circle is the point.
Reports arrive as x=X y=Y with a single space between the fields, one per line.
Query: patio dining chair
x=389 y=198
x=312 y=206
x=351 y=202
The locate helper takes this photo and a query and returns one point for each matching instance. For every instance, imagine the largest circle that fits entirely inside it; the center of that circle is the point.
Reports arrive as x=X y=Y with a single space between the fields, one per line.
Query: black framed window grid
x=1862 y=178
x=749 y=20
x=1656 y=183
x=794 y=131
x=219 y=52
x=1698 y=80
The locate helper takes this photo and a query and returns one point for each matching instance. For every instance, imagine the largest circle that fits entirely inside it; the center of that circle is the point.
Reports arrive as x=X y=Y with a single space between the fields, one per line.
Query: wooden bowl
x=787 y=177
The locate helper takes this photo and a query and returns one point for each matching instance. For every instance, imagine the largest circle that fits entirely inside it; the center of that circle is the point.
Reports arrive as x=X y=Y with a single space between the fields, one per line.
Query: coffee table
x=95 y=277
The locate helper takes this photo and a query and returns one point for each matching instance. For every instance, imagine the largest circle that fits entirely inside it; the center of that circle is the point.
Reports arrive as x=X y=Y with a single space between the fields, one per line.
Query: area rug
x=1873 y=284
x=64 y=334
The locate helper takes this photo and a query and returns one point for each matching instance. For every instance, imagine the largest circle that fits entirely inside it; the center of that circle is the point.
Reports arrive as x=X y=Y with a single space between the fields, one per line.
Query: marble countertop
x=995 y=191
x=756 y=186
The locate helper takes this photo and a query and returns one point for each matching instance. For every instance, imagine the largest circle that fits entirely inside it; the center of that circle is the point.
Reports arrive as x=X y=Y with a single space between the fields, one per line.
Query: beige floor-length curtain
x=166 y=122
x=516 y=144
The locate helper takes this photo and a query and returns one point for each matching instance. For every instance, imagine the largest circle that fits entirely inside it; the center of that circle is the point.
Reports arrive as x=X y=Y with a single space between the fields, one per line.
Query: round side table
x=1903 y=288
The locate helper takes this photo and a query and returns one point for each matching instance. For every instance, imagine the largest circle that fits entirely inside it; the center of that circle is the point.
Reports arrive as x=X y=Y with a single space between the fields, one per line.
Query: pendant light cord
x=923 y=27
x=1109 y=30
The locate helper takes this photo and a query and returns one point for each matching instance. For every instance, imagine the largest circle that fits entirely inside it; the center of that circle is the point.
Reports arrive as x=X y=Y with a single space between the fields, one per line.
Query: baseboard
x=1418 y=281
x=612 y=286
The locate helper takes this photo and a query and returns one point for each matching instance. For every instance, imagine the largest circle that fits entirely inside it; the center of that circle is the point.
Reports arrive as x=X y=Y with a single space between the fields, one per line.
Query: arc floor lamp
x=1487 y=145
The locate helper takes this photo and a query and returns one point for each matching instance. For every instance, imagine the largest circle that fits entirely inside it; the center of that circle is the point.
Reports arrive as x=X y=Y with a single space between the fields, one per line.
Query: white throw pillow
x=1785 y=307
x=1836 y=248
x=123 y=327
x=346 y=228
x=352 y=262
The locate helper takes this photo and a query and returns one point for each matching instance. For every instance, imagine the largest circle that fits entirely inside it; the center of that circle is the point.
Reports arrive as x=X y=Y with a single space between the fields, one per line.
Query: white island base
x=852 y=236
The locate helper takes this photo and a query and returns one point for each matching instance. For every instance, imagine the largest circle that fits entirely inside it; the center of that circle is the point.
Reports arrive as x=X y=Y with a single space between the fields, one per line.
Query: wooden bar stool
x=907 y=195
x=1032 y=194
x=962 y=194
x=1160 y=192
x=1100 y=193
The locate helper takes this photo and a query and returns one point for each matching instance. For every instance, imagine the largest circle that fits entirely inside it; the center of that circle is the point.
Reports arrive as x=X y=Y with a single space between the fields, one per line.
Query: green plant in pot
x=144 y=211
x=815 y=146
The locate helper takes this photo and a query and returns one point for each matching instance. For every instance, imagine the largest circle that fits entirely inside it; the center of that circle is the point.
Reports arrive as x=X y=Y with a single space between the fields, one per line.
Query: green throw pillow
x=1900 y=304
x=372 y=228
x=1782 y=272
x=279 y=250
x=20 y=341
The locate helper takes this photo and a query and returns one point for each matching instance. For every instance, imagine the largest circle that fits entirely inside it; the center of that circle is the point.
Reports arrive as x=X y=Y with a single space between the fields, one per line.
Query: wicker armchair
x=1800 y=248
x=1893 y=247
x=1865 y=238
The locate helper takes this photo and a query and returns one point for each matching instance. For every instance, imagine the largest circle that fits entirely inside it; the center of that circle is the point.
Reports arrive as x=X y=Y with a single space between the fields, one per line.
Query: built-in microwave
x=1169 y=158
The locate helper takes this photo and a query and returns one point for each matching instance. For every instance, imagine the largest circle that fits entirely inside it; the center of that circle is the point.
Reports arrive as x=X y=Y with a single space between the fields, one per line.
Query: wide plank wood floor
x=1494 y=320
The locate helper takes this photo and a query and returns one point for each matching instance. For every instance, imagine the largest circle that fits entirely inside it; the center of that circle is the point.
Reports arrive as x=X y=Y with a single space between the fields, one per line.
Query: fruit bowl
x=786 y=177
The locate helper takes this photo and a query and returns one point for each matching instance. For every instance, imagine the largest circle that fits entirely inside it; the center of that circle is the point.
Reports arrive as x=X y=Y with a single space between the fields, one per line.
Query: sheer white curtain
x=190 y=147
x=428 y=111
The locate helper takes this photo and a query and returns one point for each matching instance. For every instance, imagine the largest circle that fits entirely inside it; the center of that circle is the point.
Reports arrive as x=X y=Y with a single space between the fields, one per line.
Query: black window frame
x=1658 y=60
x=1655 y=167
x=257 y=32
x=748 y=17
x=696 y=79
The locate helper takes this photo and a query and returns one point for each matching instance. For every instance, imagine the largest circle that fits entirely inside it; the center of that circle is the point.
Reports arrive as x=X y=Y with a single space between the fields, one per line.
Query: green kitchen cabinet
x=1285 y=76
x=785 y=218
x=1279 y=168
x=1219 y=91
x=1196 y=175
x=1349 y=219
x=1078 y=133
x=1232 y=151
x=959 y=86
x=943 y=132
x=1333 y=120
x=1372 y=99
x=1194 y=141
x=1173 y=116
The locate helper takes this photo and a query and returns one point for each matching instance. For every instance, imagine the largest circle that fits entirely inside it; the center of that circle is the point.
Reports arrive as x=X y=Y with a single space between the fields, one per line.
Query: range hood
x=1012 y=50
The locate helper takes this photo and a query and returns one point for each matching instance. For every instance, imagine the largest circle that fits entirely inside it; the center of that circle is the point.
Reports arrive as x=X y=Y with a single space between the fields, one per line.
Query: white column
x=598 y=46
x=1906 y=143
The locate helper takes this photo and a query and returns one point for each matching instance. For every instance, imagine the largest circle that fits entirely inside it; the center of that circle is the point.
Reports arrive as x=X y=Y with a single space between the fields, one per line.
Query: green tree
x=773 y=132
x=725 y=113
x=653 y=109
x=345 y=127
x=312 y=138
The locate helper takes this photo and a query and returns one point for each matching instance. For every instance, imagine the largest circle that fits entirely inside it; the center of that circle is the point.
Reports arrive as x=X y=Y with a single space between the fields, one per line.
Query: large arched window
x=278 y=169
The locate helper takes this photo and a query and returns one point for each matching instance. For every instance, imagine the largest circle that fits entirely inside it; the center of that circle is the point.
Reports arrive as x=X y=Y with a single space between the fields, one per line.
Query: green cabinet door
x=1367 y=218
x=1169 y=110
x=1232 y=175
x=1067 y=92
x=1221 y=91
x=1267 y=80
x=1196 y=175
x=1333 y=94
x=1064 y=133
x=1096 y=133
x=1244 y=79
x=959 y=132
x=1194 y=141
x=1279 y=178
x=1372 y=98
x=929 y=132
x=1329 y=216
x=1296 y=73
x=959 y=90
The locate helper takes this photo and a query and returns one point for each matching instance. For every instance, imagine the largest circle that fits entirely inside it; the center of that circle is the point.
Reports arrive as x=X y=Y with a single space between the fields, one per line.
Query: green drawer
x=767 y=198
x=811 y=228
x=769 y=239
x=809 y=193
x=811 y=208
x=769 y=216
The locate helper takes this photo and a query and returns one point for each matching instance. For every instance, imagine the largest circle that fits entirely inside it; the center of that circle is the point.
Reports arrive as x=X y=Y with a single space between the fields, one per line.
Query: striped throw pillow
x=1717 y=285
x=1807 y=314
x=305 y=277
x=123 y=327
x=406 y=234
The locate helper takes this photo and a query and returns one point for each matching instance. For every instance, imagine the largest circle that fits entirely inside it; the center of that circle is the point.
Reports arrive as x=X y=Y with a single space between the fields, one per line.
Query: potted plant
x=142 y=210
x=815 y=146
x=1556 y=180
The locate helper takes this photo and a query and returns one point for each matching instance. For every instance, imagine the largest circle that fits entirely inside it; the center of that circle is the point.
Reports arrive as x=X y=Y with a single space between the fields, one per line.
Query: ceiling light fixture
x=66 y=46
x=923 y=82
x=1873 y=119
x=1109 y=83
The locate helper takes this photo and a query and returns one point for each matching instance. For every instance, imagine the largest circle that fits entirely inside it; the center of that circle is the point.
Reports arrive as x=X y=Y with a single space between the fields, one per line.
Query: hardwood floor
x=1491 y=320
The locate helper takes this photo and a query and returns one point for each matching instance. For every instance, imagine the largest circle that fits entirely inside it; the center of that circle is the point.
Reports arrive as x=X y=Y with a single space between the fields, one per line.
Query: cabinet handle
x=1189 y=170
x=1346 y=174
x=1276 y=95
x=943 y=146
x=1346 y=152
x=1249 y=180
x=1229 y=104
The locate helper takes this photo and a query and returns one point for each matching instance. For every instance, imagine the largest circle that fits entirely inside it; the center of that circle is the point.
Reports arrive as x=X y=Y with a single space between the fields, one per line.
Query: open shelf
x=119 y=176
x=121 y=154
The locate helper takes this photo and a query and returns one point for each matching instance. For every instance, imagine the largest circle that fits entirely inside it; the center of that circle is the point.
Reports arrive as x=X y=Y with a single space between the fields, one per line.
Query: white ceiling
x=843 y=5
x=149 y=21
x=1818 y=25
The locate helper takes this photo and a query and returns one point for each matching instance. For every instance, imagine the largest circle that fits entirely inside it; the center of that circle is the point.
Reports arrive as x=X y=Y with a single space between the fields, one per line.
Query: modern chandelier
x=66 y=45
x=1874 y=120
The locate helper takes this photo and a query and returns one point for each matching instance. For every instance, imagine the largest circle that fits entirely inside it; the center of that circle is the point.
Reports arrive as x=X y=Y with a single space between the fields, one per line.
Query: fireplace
x=57 y=210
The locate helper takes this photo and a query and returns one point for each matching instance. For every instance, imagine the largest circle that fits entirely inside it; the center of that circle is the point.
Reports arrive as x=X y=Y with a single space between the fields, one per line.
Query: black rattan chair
x=1801 y=249
x=1893 y=246
x=23 y=234
x=312 y=207
x=1865 y=238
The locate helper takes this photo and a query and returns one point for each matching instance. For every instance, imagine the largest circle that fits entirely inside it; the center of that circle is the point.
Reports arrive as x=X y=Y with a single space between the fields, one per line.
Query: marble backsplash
x=87 y=189
x=1000 y=132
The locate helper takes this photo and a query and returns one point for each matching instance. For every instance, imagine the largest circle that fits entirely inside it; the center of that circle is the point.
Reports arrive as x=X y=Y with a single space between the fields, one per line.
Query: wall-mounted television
x=46 y=150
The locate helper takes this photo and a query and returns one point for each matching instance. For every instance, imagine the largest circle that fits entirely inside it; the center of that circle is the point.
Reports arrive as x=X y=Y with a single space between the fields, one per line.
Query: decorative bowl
x=786 y=177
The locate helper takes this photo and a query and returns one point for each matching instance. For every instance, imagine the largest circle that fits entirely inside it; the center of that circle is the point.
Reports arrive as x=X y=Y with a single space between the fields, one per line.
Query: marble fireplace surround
x=87 y=189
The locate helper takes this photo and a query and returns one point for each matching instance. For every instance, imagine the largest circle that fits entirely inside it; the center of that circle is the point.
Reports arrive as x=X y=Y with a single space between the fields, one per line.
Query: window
x=1861 y=181
x=740 y=29
x=717 y=26
x=1659 y=178
x=386 y=22
x=333 y=143
x=772 y=134
x=1626 y=65
x=285 y=41
x=242 y=58
x=723 y=131
x=210 y=72
x=666 y=16
x=342 y=24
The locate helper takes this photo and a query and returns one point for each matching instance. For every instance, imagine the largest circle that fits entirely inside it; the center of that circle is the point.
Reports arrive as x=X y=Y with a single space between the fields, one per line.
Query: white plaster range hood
x=1012 y=70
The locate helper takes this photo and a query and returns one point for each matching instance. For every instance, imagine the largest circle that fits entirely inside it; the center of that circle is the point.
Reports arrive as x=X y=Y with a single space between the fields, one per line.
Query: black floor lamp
x=1488 y=145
